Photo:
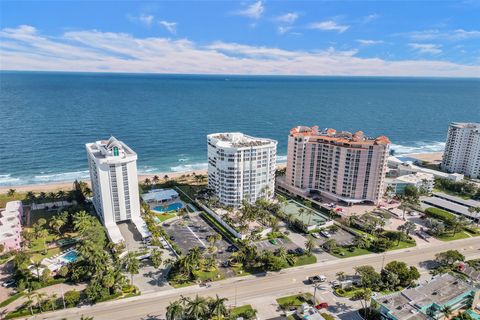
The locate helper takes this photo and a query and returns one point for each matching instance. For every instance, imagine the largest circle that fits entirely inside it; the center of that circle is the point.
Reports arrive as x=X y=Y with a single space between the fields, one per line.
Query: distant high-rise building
x=113 y=174
x=462 y=150
x=10 y=226
x=338 y=165
x=241 y=167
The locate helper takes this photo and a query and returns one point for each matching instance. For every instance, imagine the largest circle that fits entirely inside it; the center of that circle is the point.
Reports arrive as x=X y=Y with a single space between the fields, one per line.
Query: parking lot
x=268 y=245
x=193 y=232
x=342 y=237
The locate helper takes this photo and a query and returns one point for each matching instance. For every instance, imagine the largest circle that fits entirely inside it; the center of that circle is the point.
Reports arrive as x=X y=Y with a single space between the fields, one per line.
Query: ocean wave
x=418 y=147
x=7 y=179
x=59 y=177
x=190 y=167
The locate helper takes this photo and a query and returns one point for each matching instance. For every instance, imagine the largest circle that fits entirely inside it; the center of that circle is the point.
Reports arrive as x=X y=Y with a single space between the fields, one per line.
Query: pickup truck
x=317 y=279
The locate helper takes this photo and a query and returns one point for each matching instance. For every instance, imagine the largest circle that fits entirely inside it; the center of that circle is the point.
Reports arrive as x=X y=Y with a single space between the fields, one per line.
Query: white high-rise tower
x=113 y=174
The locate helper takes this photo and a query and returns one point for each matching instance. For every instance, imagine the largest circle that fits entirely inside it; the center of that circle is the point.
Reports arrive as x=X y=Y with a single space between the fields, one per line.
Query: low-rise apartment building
x=11 y=226
x=424 y=182
x=336 y=164
x=428 y=300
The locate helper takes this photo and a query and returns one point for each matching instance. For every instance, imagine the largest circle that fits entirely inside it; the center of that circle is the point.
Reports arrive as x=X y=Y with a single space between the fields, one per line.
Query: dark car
x=232 y=249
x=172 y=238
x=291 y=251
x=299 y=251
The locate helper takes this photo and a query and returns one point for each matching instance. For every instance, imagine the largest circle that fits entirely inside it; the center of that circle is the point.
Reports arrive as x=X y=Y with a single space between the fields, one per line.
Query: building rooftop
x=414 y=177
x=159 y=195
x=238 y=140
x=338 y=137
x=448 y=205
x=465 y=202
x=465 y=125
x=110 y=149
x=407 y=303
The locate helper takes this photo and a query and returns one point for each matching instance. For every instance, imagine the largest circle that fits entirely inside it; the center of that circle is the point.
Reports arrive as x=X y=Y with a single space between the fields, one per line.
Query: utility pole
x=383 y=259
x=63 y=297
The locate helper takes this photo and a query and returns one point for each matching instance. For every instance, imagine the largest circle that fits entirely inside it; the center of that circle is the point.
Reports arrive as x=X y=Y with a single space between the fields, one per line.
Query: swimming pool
x=171 y=207
x=70 y=256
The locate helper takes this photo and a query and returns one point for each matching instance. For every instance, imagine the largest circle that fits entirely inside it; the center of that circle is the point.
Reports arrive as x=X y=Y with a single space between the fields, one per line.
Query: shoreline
x=67 y=185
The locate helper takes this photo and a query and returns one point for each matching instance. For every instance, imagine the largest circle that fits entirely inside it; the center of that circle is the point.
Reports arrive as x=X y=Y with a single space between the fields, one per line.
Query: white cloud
x=428 y=48
x=370 y=18
x=329 y=25
x=24 y=48
x=288 y=18
x=146 y=19
x=366 y=42
x=170 y=26
x=283 y=29
x=452 y=35
x=254 y=11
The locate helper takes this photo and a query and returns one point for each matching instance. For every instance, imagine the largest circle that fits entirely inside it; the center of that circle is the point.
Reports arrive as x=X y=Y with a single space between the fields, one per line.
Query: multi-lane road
x=248 y=288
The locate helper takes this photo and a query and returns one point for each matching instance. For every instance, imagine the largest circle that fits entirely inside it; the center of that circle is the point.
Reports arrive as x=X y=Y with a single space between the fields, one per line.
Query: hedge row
x=440 y=214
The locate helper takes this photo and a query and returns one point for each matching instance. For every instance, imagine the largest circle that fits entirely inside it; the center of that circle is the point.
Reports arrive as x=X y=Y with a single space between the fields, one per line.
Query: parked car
x=9 y=283
x=232 y=248
x=172 y=238
x=291 y=251
x=321 y=305
x=273 y=241
x=325 y=233
x=317 y=279
x=315 y=235
x=299 y=251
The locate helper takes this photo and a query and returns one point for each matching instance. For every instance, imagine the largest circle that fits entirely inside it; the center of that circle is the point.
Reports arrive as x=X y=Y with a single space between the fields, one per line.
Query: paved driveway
x=267 y=245
x=342 y=237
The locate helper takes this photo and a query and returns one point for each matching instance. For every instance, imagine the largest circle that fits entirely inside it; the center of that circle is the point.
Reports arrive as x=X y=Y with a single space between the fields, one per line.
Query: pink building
x=338 y=165
x=10 y=225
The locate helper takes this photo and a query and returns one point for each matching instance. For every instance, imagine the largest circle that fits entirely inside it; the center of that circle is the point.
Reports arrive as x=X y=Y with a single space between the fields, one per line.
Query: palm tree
x=197 y=307
x=29 y=303
x=340 y=275
x=131 y=264
x=56 y=223
x=52 y=197
x=40 y=296
x=147 y=182
x=459 y=223
x=282 y=253
x=156 y=258
x=218 y=308
x=156 y=179
x=61 y=195
x=30 y=196
x=11 y=192
x=175 y=311
x=52 y=302
x=310 y=245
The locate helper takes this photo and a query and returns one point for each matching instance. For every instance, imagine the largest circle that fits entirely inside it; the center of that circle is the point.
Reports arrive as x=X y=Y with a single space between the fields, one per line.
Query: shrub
x=440 y=214
x=72 y=298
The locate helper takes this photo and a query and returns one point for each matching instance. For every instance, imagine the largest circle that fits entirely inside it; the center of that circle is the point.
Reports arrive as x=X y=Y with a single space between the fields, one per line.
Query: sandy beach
x=433 y=157
x=67 y=185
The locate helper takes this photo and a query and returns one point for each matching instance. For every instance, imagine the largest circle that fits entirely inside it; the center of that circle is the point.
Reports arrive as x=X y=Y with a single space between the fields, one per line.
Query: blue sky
x=418 y=38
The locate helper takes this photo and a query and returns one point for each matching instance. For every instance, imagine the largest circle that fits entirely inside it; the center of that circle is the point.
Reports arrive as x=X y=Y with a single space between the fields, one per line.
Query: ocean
x=46 y=118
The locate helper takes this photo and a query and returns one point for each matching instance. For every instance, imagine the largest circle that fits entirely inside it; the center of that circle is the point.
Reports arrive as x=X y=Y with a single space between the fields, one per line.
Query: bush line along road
x=240 y=290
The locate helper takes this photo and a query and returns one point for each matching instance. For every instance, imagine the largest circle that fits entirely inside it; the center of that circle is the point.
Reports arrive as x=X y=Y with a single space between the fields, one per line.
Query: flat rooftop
x=238 y=140
x=407 y=303
x=465 y=202
x=111 y=148
x=338 y=137
x=448 y=206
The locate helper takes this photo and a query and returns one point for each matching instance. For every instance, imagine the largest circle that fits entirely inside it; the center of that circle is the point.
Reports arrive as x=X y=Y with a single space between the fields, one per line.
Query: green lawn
x=39 y=256
x=304 y=260
x=4 y=198
x=347 y=293
x=38 y=244
x=345 y=253
x=295 y=300
x=450 y=237
x=165 y=216
x=238 y=311
x=209 y=275
x=11 y=299
x=403 y=245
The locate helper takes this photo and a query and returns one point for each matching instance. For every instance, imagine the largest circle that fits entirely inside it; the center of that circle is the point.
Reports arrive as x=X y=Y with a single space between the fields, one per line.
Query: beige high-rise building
x=337 y=165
